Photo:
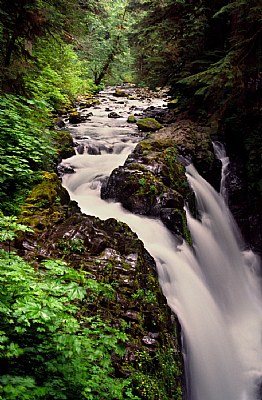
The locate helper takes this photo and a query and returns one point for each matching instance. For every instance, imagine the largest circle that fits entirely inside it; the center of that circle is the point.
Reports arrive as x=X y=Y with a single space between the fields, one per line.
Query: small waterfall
x=221 y=155
x=214 y=288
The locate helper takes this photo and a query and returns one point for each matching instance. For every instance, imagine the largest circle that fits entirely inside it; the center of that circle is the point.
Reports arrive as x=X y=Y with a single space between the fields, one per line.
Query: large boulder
x=153 y=181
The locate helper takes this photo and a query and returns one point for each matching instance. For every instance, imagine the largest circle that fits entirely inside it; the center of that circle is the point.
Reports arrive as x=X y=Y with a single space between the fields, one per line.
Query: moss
x=148 y=124
x=163 y=153
x=64 y=144
x=172 y=103
x=131 y=119
x=120 y=93
x=43 y=205
x=138 y=167
x=186 y=231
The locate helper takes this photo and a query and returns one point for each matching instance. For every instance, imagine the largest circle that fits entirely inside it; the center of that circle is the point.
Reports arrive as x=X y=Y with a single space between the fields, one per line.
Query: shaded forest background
x=208 y=53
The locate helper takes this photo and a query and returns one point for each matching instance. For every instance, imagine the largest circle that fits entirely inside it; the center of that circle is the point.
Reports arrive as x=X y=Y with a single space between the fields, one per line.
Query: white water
x=214 y=289
x=220 y=153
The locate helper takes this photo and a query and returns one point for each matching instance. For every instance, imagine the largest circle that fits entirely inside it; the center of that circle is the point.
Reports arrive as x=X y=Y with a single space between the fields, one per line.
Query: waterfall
x=214 y=287
x=220 y=153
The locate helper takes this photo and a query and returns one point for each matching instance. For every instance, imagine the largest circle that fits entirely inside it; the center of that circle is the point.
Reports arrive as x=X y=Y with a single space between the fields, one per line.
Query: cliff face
x=241 y=134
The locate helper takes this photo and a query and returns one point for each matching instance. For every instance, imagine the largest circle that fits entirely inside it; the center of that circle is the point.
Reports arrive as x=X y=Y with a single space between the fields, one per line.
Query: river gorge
x=212 y=286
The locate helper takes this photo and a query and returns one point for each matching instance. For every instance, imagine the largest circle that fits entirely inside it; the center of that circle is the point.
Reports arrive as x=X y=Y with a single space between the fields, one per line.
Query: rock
x=62 y=169
x=80 y=149
x=157 y=113
x=59 y=122
x=131 y=119
x=148 y=340
x=64 y=144
x=92 y=149
x=172 y=104
x=139 y=191
x=152 y=180
x=120 y=93
x=113 y=114
x=87 y=103
x=148 y=124
x=75 y=117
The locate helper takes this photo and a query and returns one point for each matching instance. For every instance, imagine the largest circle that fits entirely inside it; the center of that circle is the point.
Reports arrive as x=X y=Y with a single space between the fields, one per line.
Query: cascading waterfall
x=220 y=153
x=213 y=288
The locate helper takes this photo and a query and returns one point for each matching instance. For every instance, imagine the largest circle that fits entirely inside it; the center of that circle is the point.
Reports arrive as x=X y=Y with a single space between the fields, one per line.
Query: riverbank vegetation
x=209 y=55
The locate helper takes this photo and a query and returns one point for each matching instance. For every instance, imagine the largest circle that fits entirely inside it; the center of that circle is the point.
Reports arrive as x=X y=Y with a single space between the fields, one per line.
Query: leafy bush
x=25 y=148
x=48 y=348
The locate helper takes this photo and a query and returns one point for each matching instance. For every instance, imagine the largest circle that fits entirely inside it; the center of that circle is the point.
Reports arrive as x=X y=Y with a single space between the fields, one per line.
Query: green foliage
x=9 y=228
x=146 y=296
x=57 y=75
x=167 y=34
x=106 y=44
x=25 y=148
x=155 y=377
x=72 y=246
x=48 y=347
x=210 y=53
x=142 y=182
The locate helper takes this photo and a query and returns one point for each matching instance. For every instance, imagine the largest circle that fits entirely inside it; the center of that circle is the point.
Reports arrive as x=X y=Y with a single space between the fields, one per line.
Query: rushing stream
x=214 y=289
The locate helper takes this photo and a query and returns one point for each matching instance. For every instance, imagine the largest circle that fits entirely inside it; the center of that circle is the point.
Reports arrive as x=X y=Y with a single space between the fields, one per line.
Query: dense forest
x=208 y=55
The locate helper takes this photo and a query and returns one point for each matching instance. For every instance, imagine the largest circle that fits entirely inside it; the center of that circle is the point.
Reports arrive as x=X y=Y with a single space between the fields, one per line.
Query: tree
x=209 y=52
x=107 y=48
x=22 y=22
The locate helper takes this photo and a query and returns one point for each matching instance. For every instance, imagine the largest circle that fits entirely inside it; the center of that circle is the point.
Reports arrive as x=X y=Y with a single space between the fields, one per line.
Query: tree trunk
x=9 y=50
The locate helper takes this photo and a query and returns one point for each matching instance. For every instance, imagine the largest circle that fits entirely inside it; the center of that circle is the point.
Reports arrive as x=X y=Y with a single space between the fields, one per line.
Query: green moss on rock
x=148 y=124
x=42 y=207
x=131 y=119
x=63 y=142
x=120 y=93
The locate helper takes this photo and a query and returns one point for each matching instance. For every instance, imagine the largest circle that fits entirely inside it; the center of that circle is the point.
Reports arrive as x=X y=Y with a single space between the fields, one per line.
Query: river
x=213 y=287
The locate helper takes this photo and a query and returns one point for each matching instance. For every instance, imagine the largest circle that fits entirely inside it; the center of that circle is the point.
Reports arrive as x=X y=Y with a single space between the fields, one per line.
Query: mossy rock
x=64 y=144
x=75 y=117
x=120 y=93
x=148 y=124
x=172 y=104
x=129 y=298
x=44 y=205
x=131 y=119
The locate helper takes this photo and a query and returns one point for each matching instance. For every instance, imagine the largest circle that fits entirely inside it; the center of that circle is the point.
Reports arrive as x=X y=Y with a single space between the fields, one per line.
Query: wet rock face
x=152 y=180
x=241 y=134
x=113 y=255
